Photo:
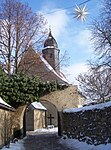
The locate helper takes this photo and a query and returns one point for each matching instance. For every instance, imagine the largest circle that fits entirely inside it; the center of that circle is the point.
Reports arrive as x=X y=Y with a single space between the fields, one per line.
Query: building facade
x=46 y=65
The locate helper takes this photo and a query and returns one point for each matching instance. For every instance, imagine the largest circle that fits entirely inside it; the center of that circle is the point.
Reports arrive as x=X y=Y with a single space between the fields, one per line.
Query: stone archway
x=51 y=113
x=51 y=109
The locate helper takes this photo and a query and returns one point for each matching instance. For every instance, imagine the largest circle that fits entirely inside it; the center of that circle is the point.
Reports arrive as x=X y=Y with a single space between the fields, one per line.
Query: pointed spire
x=50 y=28
x=50 y=34
x=50 y=41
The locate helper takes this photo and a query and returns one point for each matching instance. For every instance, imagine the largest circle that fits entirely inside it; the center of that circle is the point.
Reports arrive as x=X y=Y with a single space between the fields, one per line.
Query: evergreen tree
x=19 y=89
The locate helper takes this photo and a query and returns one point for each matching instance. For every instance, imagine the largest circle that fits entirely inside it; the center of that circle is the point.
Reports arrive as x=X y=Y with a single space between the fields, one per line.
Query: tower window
x=51 y=55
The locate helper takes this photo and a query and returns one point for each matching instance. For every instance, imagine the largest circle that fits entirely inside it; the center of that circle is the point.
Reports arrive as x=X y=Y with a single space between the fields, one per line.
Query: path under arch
x=44 y=141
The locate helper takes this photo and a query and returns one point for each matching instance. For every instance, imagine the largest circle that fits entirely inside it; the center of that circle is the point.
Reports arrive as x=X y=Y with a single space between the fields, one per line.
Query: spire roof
x=50 y=41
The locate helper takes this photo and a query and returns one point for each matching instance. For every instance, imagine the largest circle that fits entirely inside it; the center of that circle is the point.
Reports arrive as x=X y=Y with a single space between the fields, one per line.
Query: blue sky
x=71 y=35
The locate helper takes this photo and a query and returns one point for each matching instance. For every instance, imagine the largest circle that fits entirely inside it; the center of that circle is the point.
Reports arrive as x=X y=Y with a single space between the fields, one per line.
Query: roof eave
x=2 y=106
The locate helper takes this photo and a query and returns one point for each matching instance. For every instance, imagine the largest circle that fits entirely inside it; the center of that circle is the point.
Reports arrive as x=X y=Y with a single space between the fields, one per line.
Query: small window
x=50 y=55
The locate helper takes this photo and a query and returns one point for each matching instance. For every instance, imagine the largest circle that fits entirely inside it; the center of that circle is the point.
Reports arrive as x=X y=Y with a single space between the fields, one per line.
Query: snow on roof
x=4 y=103
x=38 y=105
x=48 y=47
x=61 y=76
x=92 y=107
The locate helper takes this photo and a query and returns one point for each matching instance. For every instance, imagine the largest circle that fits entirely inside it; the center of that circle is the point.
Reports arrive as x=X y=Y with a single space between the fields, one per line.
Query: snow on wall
x=91 y=124
x=93 y=107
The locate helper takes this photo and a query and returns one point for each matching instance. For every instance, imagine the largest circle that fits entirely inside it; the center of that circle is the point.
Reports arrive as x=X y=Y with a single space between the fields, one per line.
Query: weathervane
x=50 y=28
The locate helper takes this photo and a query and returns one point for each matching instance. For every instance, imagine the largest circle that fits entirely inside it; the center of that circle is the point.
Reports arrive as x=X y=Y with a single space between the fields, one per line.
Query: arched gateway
x=40 y=117
x=51 y=113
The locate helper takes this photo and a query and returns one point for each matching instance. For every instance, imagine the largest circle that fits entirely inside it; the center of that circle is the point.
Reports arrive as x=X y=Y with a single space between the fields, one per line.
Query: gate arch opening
x=51 y=113
x=52 y=116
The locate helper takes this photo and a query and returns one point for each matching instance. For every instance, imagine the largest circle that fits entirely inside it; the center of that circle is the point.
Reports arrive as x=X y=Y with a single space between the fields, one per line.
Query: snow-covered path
x=44 y=141
x=47 y=139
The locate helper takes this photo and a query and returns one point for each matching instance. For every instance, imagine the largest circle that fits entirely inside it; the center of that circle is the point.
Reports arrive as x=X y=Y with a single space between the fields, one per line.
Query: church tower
x=51 y=52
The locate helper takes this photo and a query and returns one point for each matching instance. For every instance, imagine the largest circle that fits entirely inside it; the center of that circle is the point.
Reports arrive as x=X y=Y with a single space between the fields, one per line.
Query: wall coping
x=92 y=107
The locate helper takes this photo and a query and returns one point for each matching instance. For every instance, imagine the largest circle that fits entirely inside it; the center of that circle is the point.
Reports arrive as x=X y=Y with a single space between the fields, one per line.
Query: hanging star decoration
x=81 y=13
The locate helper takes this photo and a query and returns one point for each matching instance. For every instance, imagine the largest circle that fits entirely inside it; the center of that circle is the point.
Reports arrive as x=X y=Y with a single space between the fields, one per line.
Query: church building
x=45 y=65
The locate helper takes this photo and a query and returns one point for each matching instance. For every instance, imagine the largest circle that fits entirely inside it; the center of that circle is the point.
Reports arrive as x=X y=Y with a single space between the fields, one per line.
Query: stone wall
x=91 y=124
x=2 y=138
x=62 y=99
x=5 y=126
x=18 y=118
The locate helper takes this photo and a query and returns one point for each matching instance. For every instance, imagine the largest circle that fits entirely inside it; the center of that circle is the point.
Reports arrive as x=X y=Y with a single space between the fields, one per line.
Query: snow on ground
x=44 y=130
x=47 y=130
x=71 y=143
x=15 y=146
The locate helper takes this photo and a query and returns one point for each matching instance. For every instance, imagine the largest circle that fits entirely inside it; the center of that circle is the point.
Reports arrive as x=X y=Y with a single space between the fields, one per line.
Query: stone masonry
x=62 y=99
x=5 y=126
x=92 y=126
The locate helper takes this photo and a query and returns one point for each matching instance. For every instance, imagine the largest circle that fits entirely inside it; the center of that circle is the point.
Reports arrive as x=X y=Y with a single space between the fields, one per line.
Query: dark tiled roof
x=33 y=63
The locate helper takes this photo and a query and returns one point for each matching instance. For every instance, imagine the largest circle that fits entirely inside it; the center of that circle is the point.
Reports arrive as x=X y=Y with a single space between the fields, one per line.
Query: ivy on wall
x=18 y=89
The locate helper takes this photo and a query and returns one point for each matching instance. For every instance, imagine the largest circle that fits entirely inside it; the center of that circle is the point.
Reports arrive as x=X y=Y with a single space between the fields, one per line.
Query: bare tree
x=96 y=84
x=101 y=34
x=19 y=27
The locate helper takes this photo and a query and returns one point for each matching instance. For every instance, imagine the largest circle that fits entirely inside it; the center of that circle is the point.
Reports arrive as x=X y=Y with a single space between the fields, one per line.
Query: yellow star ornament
x=81 y=13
